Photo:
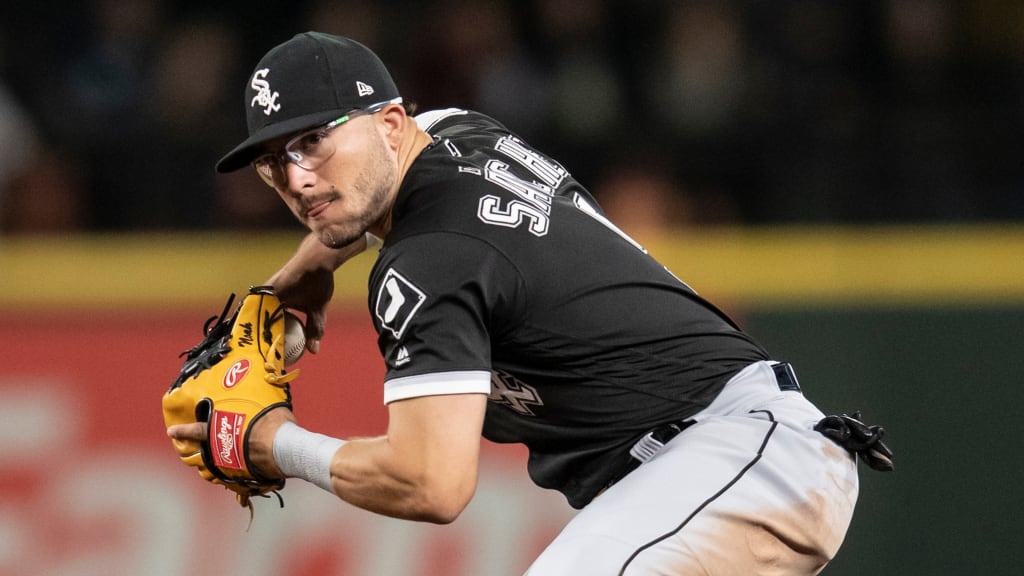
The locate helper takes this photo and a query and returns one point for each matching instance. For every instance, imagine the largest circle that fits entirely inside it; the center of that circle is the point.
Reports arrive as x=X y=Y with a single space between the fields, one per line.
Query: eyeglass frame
x=282 y=157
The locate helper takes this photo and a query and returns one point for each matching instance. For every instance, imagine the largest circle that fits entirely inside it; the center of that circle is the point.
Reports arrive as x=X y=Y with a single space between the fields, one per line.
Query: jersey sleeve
x=437 y=299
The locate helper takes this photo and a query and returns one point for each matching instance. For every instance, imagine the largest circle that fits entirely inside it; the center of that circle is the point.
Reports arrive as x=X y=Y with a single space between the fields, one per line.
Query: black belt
x=646 y=447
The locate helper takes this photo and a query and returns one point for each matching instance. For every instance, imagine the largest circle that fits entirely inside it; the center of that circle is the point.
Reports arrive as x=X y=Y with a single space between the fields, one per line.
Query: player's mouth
x=318 y=208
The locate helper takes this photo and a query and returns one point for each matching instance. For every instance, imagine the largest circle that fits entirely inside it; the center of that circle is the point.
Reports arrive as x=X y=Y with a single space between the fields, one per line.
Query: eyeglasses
x=310 y=149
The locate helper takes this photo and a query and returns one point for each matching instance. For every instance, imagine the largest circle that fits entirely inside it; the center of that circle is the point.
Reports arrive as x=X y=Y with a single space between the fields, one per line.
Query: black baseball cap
x=309 y=80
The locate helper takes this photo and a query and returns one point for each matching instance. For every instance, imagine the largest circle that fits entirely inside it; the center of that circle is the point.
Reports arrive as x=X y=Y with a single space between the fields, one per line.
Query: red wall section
x=89 y=483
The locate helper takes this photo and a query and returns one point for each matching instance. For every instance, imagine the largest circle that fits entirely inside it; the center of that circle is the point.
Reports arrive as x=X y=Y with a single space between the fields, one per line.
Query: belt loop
x=785 y=377
x=646 y=447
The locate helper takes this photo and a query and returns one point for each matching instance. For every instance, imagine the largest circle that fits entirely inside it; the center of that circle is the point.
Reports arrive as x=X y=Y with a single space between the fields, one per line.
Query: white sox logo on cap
x=264 y=95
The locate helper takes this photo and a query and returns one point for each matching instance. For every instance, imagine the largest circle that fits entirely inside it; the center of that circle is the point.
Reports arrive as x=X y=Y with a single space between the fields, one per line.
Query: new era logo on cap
x=363 y=88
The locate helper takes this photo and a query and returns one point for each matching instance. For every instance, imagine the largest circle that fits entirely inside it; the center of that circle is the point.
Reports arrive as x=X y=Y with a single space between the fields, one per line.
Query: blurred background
x=749 y=112
x=845 y=178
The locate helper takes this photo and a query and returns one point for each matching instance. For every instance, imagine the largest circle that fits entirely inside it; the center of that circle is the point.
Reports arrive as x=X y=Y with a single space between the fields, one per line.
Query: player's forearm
x=424 y=469
x=371 y=474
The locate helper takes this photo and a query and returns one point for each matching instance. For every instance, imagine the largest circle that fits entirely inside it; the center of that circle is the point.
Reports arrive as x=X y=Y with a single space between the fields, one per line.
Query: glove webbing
x=211 y=350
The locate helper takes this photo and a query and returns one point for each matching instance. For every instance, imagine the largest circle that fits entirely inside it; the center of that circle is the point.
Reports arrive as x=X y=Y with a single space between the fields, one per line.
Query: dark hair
x=410 y=107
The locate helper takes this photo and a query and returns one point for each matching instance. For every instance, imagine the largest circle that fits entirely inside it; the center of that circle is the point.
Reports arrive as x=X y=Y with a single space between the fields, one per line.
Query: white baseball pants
x=750 y=489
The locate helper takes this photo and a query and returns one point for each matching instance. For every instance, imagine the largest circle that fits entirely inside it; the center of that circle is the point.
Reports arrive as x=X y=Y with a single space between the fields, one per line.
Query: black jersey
x=501 y=276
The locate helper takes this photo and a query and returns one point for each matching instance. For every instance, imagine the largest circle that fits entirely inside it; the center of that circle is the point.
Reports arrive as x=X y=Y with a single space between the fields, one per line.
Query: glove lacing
x=272 y=376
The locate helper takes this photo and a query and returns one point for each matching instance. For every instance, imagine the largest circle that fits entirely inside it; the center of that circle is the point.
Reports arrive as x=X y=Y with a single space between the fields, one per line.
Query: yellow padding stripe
x=753 y=266
x=864 y=265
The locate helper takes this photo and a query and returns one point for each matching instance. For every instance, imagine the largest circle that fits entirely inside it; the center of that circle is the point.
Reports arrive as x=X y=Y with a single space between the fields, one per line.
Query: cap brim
x=248 y=150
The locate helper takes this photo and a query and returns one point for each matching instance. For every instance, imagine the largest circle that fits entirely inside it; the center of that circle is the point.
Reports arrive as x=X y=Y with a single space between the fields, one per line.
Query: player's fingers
x=315 y=322
x=194 y=431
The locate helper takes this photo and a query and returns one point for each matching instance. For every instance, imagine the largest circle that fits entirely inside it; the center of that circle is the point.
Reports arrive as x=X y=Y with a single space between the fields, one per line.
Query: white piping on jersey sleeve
x=427 y=120
x=436 y=384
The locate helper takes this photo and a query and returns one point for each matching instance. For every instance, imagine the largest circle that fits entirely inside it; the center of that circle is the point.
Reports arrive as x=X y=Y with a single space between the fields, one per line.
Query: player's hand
x=261 y=439
x=306 y=282
x=308 y=292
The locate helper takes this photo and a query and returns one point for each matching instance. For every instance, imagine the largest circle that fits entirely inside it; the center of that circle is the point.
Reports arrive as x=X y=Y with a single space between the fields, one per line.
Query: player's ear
x=394 y=123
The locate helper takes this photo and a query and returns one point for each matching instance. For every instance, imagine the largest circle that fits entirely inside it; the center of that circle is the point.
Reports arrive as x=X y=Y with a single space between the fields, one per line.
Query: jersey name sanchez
x=501 y=276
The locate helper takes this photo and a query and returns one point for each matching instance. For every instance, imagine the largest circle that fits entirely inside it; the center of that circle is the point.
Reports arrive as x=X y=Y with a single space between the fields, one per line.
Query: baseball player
x=507 y=305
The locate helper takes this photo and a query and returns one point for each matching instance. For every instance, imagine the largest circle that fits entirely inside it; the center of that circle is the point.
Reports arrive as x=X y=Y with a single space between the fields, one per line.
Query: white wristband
x=300 y=453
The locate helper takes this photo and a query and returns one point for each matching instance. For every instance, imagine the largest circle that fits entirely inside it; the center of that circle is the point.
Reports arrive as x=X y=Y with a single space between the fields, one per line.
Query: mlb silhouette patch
x=397 y=302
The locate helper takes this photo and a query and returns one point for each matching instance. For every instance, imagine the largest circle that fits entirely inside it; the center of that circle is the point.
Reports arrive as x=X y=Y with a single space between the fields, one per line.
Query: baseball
x=294 y=339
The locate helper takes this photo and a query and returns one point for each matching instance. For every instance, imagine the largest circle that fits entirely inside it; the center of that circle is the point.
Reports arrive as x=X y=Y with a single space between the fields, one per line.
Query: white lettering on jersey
x=490 y=211
x=517 y=395
x=536 y=193
x=452 y=148
x=549 y=172
x=397 y=302
x=533 y=202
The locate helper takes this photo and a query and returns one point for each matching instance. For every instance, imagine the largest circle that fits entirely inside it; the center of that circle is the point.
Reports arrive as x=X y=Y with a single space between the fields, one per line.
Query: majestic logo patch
x=397 y=302
x=236 y=373
x=402 y=357
x=265 y=97
x=226 y=439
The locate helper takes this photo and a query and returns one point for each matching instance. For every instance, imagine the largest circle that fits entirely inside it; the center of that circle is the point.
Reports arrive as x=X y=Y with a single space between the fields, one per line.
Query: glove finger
x=879 y=460
x=195 y=461
x=186 y=448
x=178 y=407
x=207 y=475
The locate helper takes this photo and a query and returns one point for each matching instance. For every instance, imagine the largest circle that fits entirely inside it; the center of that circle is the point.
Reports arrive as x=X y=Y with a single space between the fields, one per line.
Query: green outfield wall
x=946 y=382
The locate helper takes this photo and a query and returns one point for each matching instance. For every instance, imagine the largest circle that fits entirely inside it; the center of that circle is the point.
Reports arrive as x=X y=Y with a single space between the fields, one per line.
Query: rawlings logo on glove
x=229 y=380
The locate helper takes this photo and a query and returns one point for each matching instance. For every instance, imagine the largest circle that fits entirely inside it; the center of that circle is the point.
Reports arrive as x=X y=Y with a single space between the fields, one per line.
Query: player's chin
x=335 y=236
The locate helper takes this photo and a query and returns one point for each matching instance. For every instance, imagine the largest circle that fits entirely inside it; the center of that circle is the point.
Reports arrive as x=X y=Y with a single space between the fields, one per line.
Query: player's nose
x=299 y=179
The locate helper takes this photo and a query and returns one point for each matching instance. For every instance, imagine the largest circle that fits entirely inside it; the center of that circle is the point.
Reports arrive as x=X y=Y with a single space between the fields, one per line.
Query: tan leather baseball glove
x=229 y=380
